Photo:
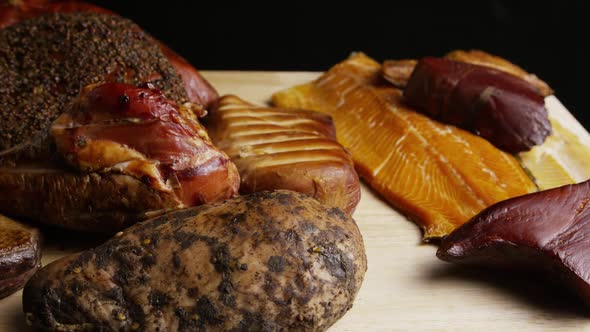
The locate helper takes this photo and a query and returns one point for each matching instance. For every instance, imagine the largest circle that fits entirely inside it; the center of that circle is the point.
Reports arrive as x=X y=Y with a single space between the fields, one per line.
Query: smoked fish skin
x=438 y=175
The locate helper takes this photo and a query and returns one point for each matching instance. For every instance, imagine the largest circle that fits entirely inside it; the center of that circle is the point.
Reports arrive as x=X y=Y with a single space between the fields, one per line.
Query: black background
x=546 y=38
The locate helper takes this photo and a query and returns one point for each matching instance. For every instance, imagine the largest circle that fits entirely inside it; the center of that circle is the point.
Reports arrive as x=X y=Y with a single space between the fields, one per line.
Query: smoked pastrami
x=546 y=231
x=197 y=88
x=505 y=110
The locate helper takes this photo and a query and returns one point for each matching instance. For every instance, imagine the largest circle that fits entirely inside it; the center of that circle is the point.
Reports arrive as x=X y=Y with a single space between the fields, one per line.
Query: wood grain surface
x=406 y=287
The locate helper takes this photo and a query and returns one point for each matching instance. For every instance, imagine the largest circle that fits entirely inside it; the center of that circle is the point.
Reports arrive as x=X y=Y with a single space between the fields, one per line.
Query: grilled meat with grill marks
x=282 y=148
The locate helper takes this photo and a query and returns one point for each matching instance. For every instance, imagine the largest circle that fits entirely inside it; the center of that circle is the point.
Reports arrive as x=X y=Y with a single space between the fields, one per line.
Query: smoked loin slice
x=478 y=57
x=502 y=108
x=20 y=255
x=546 y=231
x=117 y=155
x=398 y=72
x=438 y=175
x=282 y=148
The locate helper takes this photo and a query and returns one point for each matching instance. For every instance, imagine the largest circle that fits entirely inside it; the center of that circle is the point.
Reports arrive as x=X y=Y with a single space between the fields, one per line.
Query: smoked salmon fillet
x=438 y=175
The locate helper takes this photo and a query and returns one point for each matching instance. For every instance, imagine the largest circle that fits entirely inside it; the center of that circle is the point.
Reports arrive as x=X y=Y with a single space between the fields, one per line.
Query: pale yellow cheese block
x=564 y=158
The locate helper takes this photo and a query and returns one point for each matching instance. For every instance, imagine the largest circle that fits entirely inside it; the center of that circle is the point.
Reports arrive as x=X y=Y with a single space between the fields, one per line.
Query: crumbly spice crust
x=45 y=61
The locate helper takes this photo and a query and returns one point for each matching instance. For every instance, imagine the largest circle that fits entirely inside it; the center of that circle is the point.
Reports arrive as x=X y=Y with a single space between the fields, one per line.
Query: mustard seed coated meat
x=45 y=61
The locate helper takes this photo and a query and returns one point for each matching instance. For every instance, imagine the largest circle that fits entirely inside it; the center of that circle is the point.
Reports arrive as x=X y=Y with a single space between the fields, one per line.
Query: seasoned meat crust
x=45 y=61
x=270 y=261
x=13 y=11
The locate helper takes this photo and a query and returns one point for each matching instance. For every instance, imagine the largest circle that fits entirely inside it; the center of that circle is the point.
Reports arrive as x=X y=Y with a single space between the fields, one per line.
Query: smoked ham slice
x=120 y=154
x=438 y=175
x=280 y=148
x=477 y=57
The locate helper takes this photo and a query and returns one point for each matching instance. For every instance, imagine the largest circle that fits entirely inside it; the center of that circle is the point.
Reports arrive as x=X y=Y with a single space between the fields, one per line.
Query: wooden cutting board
x=406 y=287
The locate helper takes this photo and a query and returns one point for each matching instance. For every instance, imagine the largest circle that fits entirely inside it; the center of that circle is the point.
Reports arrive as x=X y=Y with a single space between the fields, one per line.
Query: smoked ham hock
x=198 y=90
x=505 y=110
x=20 y=255
x=282 y=148
x=117 y=154
x=269 y=261
x=546 y=231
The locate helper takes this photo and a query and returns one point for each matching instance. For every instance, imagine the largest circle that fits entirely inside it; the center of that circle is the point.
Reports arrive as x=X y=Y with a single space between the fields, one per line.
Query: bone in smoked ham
x=438 y=175
x=197 y=88
x=276 y=148
x=129 y=152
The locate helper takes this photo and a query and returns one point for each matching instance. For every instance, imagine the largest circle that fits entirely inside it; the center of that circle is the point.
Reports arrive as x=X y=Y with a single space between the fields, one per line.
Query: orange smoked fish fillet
x=438 y=175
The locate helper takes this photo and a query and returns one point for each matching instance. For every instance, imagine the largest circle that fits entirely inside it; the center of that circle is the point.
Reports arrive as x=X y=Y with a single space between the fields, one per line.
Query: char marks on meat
x=285 y=148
